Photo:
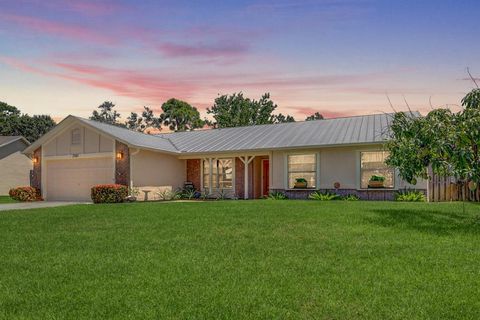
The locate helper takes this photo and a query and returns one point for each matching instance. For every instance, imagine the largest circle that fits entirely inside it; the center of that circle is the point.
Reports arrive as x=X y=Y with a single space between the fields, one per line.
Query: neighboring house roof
x=12 y=144
x=318 y=133
x=6 y=140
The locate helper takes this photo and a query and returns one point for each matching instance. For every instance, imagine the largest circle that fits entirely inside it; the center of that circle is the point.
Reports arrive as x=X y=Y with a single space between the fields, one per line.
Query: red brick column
x=36 y=178
x=194 y=172
x=122 y=166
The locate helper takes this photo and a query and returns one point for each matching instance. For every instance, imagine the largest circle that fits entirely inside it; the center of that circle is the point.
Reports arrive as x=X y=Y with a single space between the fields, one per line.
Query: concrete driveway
x=35 y=205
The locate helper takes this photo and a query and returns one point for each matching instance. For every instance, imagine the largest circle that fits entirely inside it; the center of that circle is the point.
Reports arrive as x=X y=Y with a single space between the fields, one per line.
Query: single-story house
x=15 y=166
x=339 y=155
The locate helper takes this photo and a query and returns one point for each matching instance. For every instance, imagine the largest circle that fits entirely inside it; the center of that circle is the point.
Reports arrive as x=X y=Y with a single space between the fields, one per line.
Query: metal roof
x=317 y=133
x=306 y=134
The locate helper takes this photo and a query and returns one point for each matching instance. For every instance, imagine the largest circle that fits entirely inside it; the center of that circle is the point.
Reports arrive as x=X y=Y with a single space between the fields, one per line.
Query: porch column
x=246 y=161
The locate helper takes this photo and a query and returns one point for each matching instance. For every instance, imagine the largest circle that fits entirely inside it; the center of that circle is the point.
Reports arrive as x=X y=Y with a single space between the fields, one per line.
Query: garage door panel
x=72 y=179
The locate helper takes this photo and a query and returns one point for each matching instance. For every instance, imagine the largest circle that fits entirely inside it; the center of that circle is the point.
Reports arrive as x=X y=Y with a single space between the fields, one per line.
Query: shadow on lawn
x=429 y=221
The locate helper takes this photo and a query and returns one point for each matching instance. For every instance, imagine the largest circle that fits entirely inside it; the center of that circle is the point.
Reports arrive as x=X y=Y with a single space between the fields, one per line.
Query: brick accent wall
x=194 y=173
x=240 y=179
x=36 y=174
x=122 y=166
x=374 y=195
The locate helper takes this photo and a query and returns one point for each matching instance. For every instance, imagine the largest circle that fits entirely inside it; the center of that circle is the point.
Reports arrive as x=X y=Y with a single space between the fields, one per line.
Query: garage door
x=71 y=180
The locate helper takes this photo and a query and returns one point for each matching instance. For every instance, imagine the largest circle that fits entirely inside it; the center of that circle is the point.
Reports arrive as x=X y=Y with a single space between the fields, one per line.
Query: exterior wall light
x=119 y=155
x=35 y=160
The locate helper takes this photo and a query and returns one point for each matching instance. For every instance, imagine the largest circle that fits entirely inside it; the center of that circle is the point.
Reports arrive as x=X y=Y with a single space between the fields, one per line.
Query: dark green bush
x=109 y=193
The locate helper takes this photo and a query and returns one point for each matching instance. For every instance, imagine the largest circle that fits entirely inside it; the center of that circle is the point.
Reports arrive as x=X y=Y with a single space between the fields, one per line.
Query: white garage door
x=71 y=180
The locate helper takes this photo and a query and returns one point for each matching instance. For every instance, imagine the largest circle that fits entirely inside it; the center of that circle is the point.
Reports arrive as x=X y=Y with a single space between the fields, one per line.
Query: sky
x=337 y=57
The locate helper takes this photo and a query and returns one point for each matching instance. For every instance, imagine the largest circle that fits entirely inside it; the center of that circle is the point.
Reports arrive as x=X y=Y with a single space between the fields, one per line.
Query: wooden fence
x=442 y=189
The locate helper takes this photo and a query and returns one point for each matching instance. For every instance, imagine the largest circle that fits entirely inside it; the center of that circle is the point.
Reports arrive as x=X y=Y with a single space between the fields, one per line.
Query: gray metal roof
x=319 y=133
x=338 y=131
x=132 y=137
x=4 y=140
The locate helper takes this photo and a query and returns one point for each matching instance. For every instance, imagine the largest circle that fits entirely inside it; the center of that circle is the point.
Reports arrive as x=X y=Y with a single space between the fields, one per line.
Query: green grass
x=6 y=199
x=242 y=260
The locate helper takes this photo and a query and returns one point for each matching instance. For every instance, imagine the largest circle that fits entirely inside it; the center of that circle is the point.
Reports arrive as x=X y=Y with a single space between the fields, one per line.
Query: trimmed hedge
x=109 y=193
x=24 y=194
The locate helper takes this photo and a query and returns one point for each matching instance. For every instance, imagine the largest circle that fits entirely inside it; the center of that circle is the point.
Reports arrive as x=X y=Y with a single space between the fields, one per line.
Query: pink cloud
x=146 y=86
x=216 y=50
x=56 y=28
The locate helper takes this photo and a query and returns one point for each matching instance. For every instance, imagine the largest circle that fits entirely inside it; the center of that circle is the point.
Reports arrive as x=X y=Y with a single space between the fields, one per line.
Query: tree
x=145 y=122
x=14 y=123
x=315 y=116
x=444 y=141
x=107 y=114
x=180 y=116
x=281 y=118
x=236 y=110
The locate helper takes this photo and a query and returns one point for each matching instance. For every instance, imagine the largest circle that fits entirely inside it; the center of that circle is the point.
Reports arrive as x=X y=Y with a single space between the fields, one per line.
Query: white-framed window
x=218 y=173
x=302 y=171
x=373 y=169
x=76 y=137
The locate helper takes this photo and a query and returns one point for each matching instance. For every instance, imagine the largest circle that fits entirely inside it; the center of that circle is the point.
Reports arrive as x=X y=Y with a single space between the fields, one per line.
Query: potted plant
x=300 y=183
x=376 y=181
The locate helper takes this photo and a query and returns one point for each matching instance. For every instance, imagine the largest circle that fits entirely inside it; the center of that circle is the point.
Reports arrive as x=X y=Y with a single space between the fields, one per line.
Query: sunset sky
x=338 y=57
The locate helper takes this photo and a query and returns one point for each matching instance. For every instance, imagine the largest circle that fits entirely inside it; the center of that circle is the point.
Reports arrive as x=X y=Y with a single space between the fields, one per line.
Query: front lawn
x=242 y=260
x=6 y=199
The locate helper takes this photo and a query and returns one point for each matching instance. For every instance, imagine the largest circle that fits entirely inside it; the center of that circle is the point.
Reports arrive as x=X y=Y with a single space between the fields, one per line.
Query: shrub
x=377 y=178
x=168 y=195
x=350 y=197
x=222 y=194
x=325 y=196
x=189 y=193
x=24 y=194
x=109 y=193
x=410 y=196
x=276 y=195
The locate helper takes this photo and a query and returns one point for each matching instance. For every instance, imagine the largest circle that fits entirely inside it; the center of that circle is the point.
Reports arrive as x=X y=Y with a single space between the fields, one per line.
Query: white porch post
x=246 y=161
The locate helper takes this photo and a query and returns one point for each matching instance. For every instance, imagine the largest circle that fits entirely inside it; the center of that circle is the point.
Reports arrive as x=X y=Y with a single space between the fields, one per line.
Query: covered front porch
x=242 y=176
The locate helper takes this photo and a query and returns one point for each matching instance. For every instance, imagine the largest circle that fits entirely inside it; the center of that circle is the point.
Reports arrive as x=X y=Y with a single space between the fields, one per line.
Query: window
x=372 y=163
x=302 y=166
x=76 y=137
x=218 y=174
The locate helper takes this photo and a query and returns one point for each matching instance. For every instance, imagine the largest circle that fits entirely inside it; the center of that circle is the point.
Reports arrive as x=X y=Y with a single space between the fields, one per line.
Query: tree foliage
x=237 y=110
x=281 y=118
x=178 y=115
x=14 y=123
x=315 y=116
x=445 y=141
x=107 y=114
x=145 y=122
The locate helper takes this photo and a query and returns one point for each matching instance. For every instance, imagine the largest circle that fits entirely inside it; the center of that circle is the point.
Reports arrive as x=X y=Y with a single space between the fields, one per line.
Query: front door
x=265 y=177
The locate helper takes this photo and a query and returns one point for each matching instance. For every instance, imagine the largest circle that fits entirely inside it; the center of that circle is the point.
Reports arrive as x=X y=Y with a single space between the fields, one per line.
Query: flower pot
x=300 y=185
x=376 y=184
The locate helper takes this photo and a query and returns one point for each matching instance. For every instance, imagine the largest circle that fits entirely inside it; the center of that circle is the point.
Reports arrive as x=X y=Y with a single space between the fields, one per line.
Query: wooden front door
x=265 y=177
